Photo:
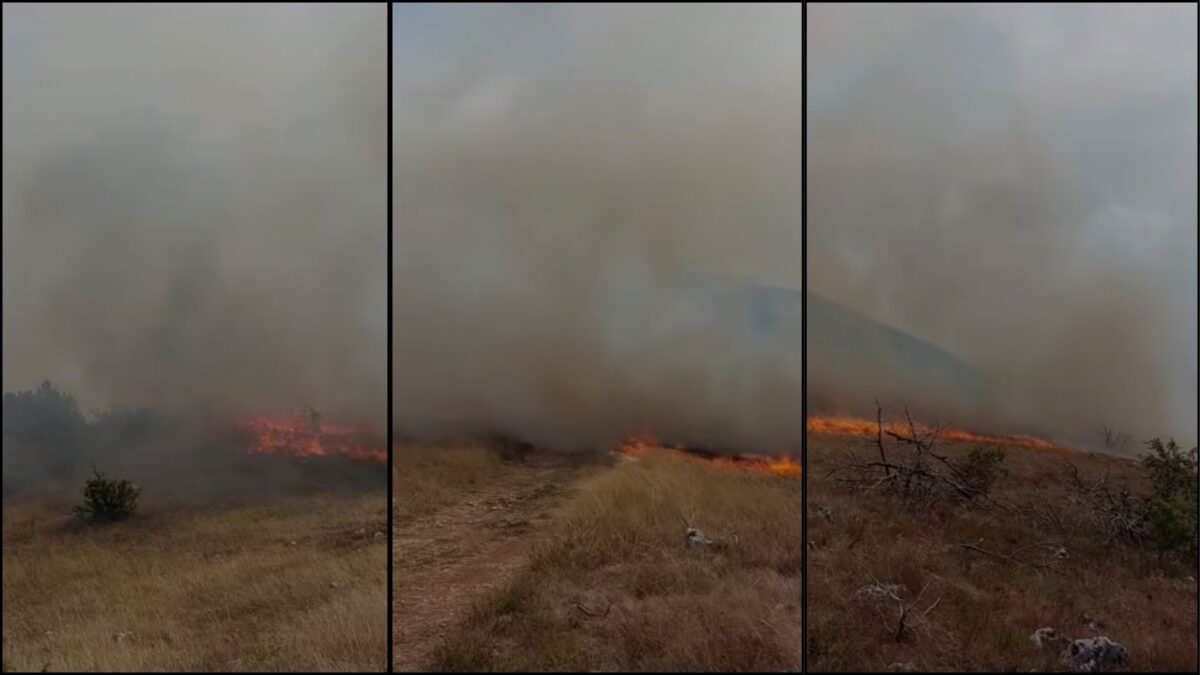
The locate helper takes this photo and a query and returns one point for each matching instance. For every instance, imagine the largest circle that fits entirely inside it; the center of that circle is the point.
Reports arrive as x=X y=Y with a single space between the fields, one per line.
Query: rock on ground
x=1095 y=655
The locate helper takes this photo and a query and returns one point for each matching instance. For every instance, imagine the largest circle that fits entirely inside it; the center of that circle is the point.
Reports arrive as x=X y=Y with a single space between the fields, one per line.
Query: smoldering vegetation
x=195 y=207
x=590 y=202
x=1015 y=185
x=179 y=459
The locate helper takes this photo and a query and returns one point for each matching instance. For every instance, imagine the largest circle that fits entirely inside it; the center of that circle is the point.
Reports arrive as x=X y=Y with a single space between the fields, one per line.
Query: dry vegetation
x=977 y=580
x=427 y=476
x=617 y=588
x=299 y=584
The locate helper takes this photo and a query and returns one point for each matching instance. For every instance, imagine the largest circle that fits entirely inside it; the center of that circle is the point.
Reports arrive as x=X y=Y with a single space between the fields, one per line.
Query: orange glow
x=643 y=445
x=851 y=426
x=294 y=436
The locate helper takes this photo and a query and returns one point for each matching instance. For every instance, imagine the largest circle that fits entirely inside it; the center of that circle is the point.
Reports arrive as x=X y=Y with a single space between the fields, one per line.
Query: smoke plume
x=195 y=206
x=1018 y=186
x=580 y=193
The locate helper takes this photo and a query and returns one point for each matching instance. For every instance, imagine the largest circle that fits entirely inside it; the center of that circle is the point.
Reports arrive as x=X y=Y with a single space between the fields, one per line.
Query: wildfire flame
x=309 y=438
x=643 y=445
x=851 y=426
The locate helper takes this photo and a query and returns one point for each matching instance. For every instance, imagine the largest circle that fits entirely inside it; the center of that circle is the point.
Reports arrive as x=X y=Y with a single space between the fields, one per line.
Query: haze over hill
x=1016 y=184
x=563 y=173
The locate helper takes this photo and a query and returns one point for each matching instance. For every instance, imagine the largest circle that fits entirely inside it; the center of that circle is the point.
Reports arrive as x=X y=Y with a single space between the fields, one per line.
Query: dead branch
x=879 y=434
x=917 y=472
x=856 y=539
x=1114 y=511
x=930 y=608
x=1113 y=439
x=585 y=610
x=1009 y=558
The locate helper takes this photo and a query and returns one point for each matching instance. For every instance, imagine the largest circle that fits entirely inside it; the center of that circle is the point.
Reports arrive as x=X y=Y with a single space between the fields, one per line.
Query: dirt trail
x=446 y=560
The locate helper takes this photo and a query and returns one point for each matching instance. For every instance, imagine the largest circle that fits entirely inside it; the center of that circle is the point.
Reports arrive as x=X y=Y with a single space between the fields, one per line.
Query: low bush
x=106 y=500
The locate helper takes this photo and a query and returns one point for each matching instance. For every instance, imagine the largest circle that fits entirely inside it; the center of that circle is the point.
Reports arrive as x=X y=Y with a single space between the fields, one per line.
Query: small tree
x=983 y=467
x=1173 y=496
x=1114 y=440
x=107 y=500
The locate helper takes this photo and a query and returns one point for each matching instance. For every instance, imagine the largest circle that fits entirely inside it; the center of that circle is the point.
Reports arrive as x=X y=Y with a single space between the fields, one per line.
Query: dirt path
x=444 y=561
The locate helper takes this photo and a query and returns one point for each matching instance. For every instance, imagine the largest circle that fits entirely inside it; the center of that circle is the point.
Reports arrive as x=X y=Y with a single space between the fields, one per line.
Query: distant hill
x=851 y=355
x=847 y=350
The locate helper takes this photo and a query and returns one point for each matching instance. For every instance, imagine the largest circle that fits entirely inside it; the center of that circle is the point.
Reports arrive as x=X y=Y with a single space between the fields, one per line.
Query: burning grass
x=640 y=446
x=299 y=584
x=853 y=426
x=981 y=609
x=618 y=588
x=308 y=437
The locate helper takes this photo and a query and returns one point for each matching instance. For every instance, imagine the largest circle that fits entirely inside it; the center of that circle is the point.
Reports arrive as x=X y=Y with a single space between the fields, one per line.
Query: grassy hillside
x=299 y=584
x=978 y=610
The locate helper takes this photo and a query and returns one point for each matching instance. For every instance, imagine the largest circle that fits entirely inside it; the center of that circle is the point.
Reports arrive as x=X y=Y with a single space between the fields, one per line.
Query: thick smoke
x=578 y=190
x=1017 y=185
x=195 y=206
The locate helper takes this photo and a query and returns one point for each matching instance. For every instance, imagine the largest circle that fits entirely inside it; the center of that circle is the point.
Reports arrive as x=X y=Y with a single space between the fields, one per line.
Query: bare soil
x=446 y=560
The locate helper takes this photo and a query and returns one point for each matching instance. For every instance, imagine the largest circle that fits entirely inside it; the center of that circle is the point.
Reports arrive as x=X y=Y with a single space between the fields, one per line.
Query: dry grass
x=295 y=585
x=426 y=476
x=986 y=608
x=618 y=589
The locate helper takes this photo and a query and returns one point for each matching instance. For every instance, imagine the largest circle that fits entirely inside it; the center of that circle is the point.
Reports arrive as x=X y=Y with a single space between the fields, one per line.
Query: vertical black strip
x=804 y=336
x=391 y=432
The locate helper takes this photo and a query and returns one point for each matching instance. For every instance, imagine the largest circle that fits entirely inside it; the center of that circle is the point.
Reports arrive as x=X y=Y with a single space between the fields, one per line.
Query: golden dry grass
x=618 y=588
x=426 y=476
x=298 y=585
x=986 y=608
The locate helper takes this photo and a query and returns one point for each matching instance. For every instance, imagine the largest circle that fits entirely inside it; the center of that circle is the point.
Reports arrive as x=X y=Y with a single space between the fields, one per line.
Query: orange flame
x=851 y=426
x=644 y=444
x=289 y=435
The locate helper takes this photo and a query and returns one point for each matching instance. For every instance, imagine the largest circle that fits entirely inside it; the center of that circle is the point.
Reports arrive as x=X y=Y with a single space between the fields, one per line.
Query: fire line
x=306 y=438
x=643 y=445
x=852 y=426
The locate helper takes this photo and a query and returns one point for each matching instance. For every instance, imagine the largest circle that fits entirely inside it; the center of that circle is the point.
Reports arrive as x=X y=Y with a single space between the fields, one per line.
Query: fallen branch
x=585 y=610
x=1009 y=558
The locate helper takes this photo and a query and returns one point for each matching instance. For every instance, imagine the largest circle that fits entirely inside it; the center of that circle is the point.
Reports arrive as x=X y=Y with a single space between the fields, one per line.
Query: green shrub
x=984 y=465
x=107 y=500
x=43 y=436
x=1173 y=495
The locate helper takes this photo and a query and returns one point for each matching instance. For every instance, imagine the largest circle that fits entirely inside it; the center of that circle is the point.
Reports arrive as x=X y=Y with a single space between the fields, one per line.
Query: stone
x=1044 y=637
x=882 y=590
x=1095 y=655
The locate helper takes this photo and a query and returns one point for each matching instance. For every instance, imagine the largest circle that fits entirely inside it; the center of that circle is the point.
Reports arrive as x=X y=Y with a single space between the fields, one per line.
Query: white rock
x=1046 y=636
x=882 y=590
x=1095 y=655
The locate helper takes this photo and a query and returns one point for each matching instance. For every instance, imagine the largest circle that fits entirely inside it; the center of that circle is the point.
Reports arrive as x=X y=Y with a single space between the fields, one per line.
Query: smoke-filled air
x=1013 y=189
x=597 y=226
x=195 y=204
x=195 y=337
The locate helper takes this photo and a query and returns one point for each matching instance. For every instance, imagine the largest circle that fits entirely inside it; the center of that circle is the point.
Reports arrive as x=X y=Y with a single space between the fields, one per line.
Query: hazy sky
x=195 y=204
x=563 y=175
x=1018 y=185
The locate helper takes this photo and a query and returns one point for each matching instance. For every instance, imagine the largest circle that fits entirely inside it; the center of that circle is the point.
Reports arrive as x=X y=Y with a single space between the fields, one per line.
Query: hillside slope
x=977 y=582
